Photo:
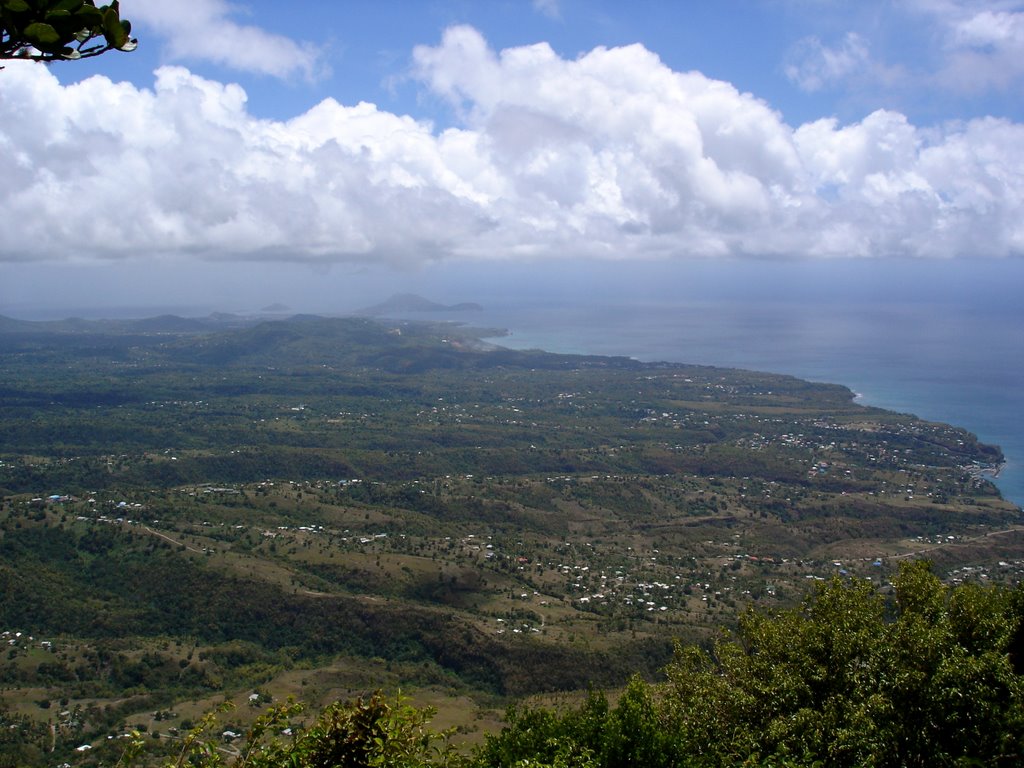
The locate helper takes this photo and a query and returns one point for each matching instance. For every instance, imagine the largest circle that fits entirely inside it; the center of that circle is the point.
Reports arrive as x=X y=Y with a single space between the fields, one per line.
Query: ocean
x=947 y=351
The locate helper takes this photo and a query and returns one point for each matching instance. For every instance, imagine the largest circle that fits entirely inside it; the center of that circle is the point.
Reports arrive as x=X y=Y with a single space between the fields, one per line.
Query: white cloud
x=982 y=43
x=987 y=51
x=203 y=30
x=916 y=52
x=610 y=155
x=813 y=66
x=549 y=8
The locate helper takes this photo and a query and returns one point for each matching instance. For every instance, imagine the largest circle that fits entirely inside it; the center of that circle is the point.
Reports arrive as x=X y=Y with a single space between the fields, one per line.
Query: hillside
x=323 y=506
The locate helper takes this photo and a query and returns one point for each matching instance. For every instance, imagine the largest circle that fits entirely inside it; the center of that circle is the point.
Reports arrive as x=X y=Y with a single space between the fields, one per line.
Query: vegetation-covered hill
x=325 y=506
x=928 y=677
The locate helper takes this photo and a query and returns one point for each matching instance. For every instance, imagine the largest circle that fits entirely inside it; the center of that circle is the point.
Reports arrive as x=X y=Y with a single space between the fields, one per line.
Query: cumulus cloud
x=610 y=155
x=203 y=30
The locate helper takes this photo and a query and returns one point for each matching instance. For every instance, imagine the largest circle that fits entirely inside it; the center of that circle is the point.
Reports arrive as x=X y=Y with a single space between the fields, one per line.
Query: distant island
x=277 y=308
x=404 y=303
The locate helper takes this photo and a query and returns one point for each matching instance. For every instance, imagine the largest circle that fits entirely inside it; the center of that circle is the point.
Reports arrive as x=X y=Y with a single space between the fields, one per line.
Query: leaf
x=57 y=16
x=40 y=34
x=89 y=18
x=113 y=29
x=17 y=6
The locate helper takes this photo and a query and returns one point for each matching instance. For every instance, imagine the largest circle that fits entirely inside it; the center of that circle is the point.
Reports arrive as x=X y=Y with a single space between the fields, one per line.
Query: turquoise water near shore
x=957 y=363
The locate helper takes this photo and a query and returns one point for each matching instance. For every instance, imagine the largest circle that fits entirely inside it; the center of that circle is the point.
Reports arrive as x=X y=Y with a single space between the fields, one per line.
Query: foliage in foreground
x=56 y=30
x=375 y=732
x=850 y=678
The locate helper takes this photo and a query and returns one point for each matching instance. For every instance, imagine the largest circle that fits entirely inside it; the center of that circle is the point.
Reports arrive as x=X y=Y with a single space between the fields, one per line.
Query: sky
x=321 y=152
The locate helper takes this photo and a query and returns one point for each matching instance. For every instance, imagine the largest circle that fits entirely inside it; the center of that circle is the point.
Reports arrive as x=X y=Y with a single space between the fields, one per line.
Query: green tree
x=539 y=737
x=58 y=30
x=636 y=733
x=848 y=679
x=363 y=733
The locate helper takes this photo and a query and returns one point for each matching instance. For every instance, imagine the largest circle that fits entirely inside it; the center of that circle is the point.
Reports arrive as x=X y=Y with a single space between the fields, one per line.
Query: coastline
x=991 y=471
x=872 y=367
